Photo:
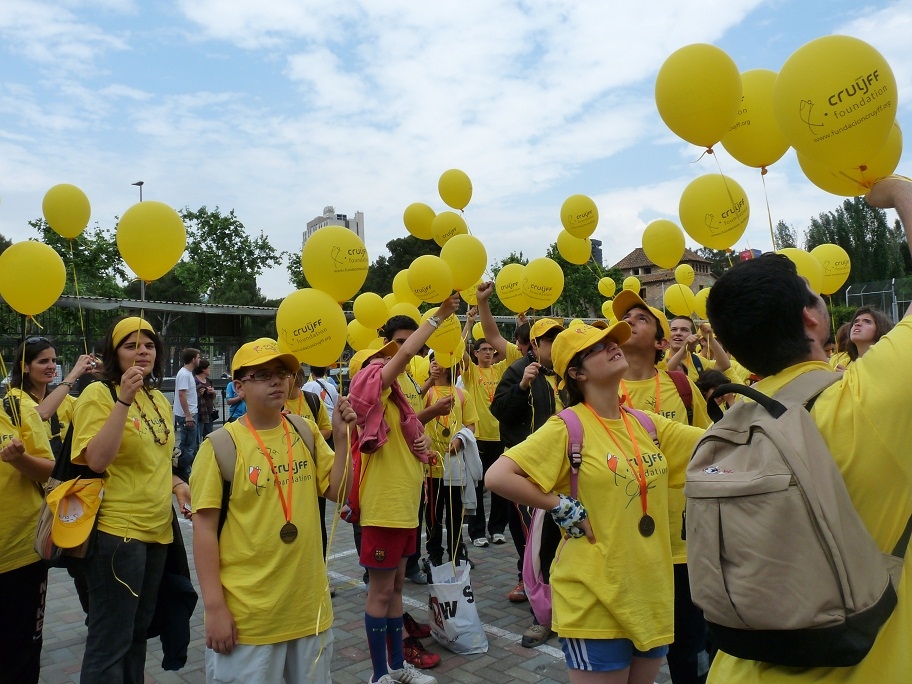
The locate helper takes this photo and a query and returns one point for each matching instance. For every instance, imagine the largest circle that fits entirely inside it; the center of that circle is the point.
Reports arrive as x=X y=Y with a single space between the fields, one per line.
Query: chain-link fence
x=890 y=296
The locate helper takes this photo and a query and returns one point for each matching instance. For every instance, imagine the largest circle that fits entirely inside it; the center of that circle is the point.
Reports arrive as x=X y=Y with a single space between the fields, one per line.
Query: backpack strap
x=685 y=391
x=574 y=445
x=644 y=420
x=313 y=401
x=301 y=427
x=695 y=359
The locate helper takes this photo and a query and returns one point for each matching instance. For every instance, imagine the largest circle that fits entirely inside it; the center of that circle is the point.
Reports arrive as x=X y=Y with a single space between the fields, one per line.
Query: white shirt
x=326 y=391
x=184 y=381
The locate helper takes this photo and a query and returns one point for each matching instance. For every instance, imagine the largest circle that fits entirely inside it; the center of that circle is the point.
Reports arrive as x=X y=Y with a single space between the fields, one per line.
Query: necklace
x=158 y=440
x=445 y=419
x=289 y=531
x=646 y=524
x=488 y=383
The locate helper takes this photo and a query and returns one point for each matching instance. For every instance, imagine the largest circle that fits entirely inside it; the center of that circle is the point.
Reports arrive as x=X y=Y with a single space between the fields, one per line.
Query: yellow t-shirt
x=737 y=373
x=64 y=411
x=137 y=493
x=463 y=414
x=21 y=496
x=275 y=591
x=621 y=587
x=481 y=383
x=864 y=420
x=411 y=385
x=391 y=478
x=300 y=407
x=642 y=394
x=840 y=359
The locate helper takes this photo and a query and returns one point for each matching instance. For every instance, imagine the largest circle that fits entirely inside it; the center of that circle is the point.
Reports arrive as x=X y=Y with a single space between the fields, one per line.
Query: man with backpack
x=862 y=418
x=672 y=395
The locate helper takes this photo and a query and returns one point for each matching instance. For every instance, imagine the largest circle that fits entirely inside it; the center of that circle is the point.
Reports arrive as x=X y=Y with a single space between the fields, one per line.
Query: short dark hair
x=111 y=370
x=882 y=325
x=522 y=333
x=756 y=311
x=684 y=318
x=318 y=371
x=395 y=323
x=28 y=350
x=189 y=354
x=708 y=380
x=201 y=366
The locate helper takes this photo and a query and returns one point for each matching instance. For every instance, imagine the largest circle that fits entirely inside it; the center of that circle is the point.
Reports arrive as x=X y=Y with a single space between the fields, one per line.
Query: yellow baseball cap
x=542 y=326
x=628 y=299
x=261 y=351
x=74 y=505
x=573 y=340
x=360 y=358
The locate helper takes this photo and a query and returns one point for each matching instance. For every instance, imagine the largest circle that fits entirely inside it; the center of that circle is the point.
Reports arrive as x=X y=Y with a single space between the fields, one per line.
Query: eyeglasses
x=594 y=349
x=486 y=350
x=36 y=340
x=267 y=375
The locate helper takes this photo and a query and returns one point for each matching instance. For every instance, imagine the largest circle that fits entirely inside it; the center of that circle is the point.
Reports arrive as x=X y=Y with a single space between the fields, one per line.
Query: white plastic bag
x=454 y=617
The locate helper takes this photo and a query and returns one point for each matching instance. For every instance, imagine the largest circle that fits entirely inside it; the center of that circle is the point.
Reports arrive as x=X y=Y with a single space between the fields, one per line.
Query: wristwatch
x=434 y=320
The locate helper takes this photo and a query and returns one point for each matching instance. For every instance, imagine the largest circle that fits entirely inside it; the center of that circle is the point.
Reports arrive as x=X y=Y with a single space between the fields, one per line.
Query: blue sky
x=278 y=109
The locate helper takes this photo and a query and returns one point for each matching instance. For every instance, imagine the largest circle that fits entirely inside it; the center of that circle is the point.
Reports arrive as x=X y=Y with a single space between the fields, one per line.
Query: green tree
x=4 y=243
x=580 y=297
x=786 y=235
x=99 y=268
x=222 y=260
x=720 y=260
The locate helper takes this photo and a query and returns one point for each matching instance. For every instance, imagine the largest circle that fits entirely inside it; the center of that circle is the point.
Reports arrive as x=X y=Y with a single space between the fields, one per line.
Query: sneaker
x=409 y=675
x=385 y=679
x=536 y=635
x=518 y=595
x=418 y=577
x=417 y=655
x=498 y=538
x=414 y=628
x=481 y=542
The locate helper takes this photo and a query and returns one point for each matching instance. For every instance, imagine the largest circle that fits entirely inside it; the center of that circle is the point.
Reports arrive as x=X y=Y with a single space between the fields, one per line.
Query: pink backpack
x=537 y=590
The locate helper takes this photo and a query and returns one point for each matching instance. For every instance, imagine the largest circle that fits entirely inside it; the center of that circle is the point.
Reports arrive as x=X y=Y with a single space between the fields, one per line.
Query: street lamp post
x=142 y=284
x=139 y=184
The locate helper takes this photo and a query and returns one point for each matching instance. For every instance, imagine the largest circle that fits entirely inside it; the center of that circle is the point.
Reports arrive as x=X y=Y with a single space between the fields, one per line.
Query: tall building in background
x=331 y=218
x=597 y=252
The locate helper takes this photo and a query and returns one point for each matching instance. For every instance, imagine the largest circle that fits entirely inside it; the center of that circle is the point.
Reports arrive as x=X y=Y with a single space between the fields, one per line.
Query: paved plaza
x=494 y=576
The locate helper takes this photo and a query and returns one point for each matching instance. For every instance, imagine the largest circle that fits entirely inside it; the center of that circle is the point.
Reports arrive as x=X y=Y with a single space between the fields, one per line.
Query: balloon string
x=85 y=344
x=34 y=322
x=708 y=150
x=769 y=213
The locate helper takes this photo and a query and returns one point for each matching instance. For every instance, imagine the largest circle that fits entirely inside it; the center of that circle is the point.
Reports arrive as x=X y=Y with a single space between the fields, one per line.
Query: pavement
x=492 y=579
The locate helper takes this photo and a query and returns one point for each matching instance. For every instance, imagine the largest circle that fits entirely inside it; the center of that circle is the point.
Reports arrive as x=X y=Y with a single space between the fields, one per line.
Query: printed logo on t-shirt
x=654 y=465
x=253 y=474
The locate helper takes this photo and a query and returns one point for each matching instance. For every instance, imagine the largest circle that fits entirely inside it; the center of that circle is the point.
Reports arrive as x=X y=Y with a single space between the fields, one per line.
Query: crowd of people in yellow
x=414 y=445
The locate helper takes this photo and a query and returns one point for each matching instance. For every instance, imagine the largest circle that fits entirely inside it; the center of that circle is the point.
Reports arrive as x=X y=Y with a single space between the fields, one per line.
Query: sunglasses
x=36 y=340
x=594 y=349
x=266 y=375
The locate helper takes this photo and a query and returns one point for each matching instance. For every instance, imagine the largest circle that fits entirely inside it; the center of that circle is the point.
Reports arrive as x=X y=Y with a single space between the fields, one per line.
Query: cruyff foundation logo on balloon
x=805 y=112
x=310 y=332
x=349 y=259
x=730 y=219
x=835 y=267
x=535 y=288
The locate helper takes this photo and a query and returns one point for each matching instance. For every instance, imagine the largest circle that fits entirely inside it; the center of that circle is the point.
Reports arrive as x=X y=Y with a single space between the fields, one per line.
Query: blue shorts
x=605 y=655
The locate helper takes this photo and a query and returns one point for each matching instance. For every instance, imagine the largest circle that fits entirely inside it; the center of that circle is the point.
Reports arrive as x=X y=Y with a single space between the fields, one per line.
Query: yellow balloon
x=663 y=243
x=390 y=300
x=579 y=216
x=477 y=331
x=312 y=326
x=808 y=267
x=836 y=265
x=418 y=219
x=32 y=277
x=406 y=309
x=402 y=291
x=754 y=139
x=360 y=336
x=335 y=260
x=543 y=282
x=835 y=100
x=606 y=308
x=67 y=210
x=447 y=335
x=684 y=275
x=575 y=323
x=714 y=211
x=697 y=93
x=447 y=224
x=508 y=284
x=455 y=188
x=679 y=299
x=370 y=310
x=607 y=287
x=857 y=181
x=573 y=249
x=467 y=259
x=430 y=279
x=450 y=359
x=700 y=303
x=470 y=294
x=632 y=283
x=151 y=238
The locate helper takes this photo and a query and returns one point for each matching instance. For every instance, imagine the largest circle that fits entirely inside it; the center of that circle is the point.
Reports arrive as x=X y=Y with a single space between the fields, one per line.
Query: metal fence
x=890 y=296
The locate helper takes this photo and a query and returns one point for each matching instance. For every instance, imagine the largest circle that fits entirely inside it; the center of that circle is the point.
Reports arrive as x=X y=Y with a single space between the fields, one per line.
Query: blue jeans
x=187 y=440
x=123 y=579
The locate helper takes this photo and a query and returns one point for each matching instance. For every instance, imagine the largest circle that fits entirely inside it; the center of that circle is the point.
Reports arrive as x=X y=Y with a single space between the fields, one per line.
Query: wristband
x=178 y=485
x=434 y=320
x=567 y=514
x=67 y=383
x=121 y=401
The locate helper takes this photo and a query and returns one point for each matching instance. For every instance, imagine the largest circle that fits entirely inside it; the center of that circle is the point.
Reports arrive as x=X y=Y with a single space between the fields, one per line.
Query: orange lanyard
x=434 y=393
x=286 y=500
x=488 y=383
x=625 y=398
x=640 y=473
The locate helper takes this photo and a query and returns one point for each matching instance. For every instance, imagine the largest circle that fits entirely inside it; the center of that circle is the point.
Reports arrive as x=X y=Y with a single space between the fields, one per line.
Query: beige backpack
x=780 y=563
